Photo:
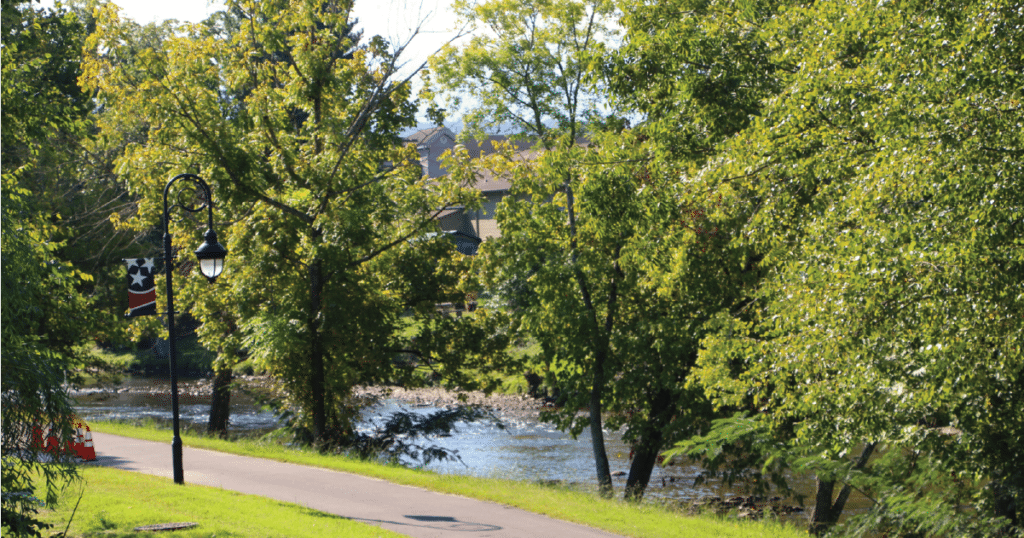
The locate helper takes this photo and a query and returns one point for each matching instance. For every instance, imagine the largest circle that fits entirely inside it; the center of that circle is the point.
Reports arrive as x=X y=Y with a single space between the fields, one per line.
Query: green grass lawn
x=115 y=502
x=644 y=520
x=119 y=361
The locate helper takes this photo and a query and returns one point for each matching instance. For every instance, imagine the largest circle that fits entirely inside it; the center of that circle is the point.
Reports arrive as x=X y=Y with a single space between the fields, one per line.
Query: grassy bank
x=193 y=358
x=645 y=520
x=115 y=502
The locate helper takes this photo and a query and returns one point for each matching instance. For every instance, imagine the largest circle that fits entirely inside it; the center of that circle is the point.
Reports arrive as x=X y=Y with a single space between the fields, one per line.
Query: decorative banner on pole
x=141 y=288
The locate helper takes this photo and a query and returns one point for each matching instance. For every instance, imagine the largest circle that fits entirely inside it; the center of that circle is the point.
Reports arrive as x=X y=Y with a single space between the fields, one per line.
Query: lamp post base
x=179 y=472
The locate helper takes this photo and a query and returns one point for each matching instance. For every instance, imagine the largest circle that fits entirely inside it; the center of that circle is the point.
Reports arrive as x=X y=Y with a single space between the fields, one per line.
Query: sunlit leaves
x=525 y=67
x=876 y=176
x=46 y=317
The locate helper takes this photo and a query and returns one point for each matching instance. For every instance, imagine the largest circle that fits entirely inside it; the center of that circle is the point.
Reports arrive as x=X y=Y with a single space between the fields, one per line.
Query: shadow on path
x=124 y=464
x=439 y=522
x=446 y=523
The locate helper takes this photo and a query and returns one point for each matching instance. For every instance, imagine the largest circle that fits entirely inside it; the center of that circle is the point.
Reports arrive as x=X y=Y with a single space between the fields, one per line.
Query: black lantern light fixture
x=211 y=256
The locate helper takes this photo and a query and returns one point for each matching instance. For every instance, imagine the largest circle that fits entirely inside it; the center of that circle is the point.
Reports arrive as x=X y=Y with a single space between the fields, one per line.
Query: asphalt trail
x=404 y=509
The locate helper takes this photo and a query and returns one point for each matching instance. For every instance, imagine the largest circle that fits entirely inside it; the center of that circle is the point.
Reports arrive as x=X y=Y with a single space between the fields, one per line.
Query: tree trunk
x=602 y=351
x=650 y=443
x=822 y=513
x=604 y=475
x=316 y=354
x=220 y=406
x=1004 y=505
x=826 y=512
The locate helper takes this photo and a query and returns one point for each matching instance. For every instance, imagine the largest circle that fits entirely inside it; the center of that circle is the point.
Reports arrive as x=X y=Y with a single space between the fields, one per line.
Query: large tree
x=587 y=226
x=880 y=188
x=296 y=130
x=629 y=340
x=526 y=68
x=45 y=316
x=694 y=74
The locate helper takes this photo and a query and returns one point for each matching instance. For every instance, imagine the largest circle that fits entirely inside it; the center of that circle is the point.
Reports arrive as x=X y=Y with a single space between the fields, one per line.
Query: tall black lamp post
x=211 y=262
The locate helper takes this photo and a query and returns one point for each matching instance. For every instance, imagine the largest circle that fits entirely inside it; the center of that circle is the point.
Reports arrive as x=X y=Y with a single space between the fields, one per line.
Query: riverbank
x=648 y=519
x=525 y=449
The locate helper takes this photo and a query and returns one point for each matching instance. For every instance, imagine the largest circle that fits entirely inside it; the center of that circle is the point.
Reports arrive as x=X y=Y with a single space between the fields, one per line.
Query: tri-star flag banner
x=141 y=288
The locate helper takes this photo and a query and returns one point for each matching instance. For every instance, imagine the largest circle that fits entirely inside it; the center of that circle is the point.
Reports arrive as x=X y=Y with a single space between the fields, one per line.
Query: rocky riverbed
x=425 y=397
x=440 y=397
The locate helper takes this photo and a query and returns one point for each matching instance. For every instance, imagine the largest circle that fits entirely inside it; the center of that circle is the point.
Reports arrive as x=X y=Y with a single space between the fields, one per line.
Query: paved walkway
x=404 y=509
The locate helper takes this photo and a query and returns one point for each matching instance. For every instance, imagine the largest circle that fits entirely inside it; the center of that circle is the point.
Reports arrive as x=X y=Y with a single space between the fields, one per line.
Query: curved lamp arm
x=211 y=253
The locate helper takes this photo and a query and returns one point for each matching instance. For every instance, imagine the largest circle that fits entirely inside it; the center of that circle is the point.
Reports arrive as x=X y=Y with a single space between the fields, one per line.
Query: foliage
x=97 y=201
x=43 y=111
x=604 y=215
x=743 y=451
x=70 y=177
x=695 y=72
x=42 y=307
x=528 y=70
x=876 y=181
x=525 y=65
x=618 y=222
x=918 y=495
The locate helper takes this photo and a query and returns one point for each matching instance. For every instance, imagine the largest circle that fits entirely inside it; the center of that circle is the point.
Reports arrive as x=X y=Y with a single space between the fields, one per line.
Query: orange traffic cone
x=80 y=444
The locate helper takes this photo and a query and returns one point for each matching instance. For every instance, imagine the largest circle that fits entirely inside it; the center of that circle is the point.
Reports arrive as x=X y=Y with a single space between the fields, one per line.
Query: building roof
x=448 y=211
x=486 y=181
x=476 y=148
x=424 y=136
